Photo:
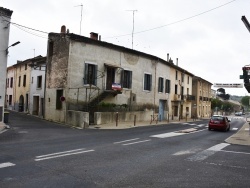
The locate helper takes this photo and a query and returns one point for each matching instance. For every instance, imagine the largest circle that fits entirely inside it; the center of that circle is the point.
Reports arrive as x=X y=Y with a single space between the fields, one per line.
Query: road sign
x=228 y=85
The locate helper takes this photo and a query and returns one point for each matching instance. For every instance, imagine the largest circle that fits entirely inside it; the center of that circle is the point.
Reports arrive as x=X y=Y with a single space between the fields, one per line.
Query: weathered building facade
x=5 y=16
x=84 y=72
x=201 y=107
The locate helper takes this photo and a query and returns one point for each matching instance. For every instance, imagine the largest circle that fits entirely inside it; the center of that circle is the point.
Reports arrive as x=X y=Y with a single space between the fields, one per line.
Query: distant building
x=10 y=82
x=201 y=107
x=37 y=86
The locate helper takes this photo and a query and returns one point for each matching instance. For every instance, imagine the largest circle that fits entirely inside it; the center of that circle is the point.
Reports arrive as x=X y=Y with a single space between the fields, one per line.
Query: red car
x=219 y=122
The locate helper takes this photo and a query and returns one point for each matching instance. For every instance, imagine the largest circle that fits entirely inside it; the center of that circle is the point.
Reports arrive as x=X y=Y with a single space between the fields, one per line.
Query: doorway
x=110 y=77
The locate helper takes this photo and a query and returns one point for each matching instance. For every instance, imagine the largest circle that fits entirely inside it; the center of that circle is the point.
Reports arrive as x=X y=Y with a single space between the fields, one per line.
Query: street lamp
x=16 y=43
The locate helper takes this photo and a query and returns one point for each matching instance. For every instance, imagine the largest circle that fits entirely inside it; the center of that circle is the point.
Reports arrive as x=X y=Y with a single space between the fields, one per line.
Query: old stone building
x=83 y=72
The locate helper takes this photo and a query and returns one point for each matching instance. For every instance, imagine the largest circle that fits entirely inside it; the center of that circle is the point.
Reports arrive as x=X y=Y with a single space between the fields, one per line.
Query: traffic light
x=245 y=74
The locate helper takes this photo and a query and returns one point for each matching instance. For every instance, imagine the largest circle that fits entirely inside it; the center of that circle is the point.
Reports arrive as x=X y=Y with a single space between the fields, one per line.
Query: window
x=167 y=86
x=160 y=84
x=188 y=80
x=90 y=74
x=182 y=77
x=59 y=94
x=147 y=82
x=39 y=82
x=32 y=79
x=24 y=80
x=126 y=79
x=19 y=81
x=25 y=66
x=176 y=89
x=51 y=46
x=7 y=84
x=11 y=82
x=10 y=99
x=176 y=75
x=187 y=91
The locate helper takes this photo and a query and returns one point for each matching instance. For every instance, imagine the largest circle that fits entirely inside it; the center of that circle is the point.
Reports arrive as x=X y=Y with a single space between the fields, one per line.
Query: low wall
x=77 y=119
x=110 y=117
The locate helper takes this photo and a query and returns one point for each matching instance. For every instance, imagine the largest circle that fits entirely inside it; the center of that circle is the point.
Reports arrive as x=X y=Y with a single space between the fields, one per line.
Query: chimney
x=176 y=61
x=167 y=57
x=94 y=36
x=63 y=29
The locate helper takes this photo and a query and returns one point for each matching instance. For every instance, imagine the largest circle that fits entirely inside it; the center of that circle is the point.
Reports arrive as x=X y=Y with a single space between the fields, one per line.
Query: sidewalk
x=127 y=125
x=242 y=137
x=2 y=127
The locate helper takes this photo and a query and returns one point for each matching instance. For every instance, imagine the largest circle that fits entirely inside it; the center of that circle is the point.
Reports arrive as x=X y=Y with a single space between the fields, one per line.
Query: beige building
x=201 y=107
x=22 y=85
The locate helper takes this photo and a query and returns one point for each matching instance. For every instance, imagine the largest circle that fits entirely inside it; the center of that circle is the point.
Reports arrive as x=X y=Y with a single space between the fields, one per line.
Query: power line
x=182 y=20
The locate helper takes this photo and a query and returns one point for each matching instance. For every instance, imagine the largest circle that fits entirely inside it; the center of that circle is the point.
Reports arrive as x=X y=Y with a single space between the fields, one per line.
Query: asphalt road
x=38 y=153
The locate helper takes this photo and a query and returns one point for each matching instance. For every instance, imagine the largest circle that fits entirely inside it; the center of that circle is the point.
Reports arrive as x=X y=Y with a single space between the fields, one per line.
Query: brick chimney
x=94 y=36
x=63 y=29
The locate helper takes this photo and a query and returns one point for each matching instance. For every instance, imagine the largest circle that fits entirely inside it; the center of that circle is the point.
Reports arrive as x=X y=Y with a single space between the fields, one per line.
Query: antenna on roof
x=133 y=27
x=81 y=17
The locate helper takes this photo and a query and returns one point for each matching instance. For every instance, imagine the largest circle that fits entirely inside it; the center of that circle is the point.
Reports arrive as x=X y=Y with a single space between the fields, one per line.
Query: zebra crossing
x=205 y=125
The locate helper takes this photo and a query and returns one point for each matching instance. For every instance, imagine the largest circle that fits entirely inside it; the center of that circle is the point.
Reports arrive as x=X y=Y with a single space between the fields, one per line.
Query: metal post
x=134 y=120
x=116 y=119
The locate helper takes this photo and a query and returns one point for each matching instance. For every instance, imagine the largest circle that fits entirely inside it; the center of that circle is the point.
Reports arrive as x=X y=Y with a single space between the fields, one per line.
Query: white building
x=5 y=16
x=10 y=83
x=37 y=83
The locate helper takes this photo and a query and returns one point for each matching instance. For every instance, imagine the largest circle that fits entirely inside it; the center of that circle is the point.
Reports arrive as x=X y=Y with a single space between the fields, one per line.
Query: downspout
x=155 y=86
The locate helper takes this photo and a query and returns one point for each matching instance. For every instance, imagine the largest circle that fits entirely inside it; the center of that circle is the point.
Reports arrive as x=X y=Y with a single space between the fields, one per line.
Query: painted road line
x=201 y=125
x=136 y=142
x=125 y=141
x=246 y=129
x=167 y=135
x=53 y=155
x=208 y=152
x=218 y=147
x=235 y=129
x=4 y=165
x=70 y=151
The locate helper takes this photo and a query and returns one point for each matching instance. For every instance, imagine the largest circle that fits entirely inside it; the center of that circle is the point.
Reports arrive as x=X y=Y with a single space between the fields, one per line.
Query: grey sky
x=214 y=45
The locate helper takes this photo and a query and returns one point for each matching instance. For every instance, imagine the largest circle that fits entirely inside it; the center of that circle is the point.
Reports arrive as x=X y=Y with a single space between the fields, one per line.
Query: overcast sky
x=207 y=36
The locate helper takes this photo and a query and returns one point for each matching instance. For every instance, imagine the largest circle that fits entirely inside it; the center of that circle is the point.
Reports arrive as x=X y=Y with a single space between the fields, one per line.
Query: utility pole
x=81 y=17
x=133 y=27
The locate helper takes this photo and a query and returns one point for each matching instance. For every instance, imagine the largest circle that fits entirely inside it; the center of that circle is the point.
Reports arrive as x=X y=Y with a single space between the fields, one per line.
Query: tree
x=221 y=91
x=245 y=101
x=216 y=103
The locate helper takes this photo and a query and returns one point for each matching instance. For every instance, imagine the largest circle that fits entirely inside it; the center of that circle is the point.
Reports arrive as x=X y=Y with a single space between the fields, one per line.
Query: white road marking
x=246 y=129
x=167 y=135
x=4 y=165
x=125 y=141
x=70 y=151
x=55 y=155
x=236 y=152
x=201 y=125
x=208 y=152
x=136 y=142
x=218 y=147
x=235 y=129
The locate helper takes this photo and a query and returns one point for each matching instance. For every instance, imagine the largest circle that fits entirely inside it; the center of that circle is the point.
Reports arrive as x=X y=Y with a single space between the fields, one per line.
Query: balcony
x=190 y=97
